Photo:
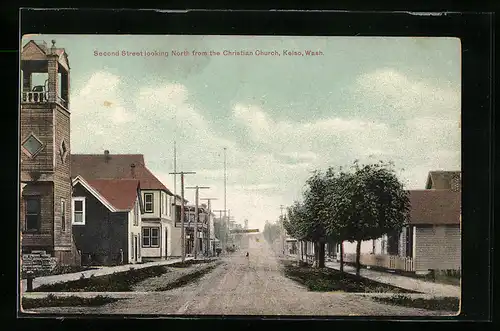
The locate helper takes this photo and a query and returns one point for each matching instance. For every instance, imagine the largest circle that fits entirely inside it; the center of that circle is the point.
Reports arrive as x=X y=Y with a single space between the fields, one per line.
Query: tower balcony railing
x=40 y=97
x=34 y=97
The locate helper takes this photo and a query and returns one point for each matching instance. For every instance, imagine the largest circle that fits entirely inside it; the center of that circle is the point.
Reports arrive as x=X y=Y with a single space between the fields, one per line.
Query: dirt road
x=251 y=285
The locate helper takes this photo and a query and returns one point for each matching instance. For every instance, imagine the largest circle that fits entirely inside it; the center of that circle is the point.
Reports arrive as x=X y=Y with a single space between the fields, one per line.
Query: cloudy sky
x=280 y=117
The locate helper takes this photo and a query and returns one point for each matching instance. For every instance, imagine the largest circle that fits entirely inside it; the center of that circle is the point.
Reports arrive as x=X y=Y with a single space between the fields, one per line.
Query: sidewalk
x=102 y=271
x=435 y=289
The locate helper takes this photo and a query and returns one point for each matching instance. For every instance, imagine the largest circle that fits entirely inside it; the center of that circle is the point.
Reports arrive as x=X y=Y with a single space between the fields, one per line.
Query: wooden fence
x=392 y=262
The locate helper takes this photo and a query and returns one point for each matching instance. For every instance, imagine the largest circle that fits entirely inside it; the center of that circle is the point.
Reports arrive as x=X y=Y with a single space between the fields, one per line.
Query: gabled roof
x=33 y=50
x=442 y=179
x=434 y=207
x=115 y=194
x=115 y=166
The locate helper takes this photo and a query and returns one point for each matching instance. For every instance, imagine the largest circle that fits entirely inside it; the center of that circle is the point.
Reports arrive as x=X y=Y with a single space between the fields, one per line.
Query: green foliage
x=116 y=282
x=325 y=280
x=271 y=232
x=361 y=203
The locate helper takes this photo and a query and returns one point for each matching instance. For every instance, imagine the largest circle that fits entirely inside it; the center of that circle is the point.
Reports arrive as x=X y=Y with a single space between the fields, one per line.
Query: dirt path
x=247 y=286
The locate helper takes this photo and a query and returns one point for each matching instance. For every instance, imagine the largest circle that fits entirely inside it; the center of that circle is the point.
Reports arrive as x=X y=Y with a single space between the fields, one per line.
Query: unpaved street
x=247 y=286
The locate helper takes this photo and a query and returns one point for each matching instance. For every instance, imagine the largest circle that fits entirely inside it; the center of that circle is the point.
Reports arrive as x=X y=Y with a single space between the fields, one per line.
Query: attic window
x=31 y=146
x=63 y=151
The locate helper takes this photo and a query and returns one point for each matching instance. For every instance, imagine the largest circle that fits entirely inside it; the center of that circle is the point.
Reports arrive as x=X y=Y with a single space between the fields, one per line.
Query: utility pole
x=225 y=189
x=197 y=216
x=183 y=237
x=175 y=169
x=208 y=226
x=282 y=230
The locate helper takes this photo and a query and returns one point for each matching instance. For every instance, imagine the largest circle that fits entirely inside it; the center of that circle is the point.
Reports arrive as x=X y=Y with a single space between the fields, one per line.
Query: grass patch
x=53 y=301
x=326 y=280
x=187 y=279
x=443 y=304
x=188 y=263
x=448 y=277
x=116 y=282
x=58 y=270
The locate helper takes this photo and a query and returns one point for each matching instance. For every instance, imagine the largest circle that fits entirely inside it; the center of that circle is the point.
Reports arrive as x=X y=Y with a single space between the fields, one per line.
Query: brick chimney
x=132 y=170
x=106 y=156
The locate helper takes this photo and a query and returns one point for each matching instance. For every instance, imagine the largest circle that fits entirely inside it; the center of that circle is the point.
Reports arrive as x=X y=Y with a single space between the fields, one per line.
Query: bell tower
x=45 y=210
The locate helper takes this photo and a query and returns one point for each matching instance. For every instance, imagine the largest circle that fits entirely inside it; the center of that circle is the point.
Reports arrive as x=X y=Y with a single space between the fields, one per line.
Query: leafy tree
x=271 y=232
x=294 y=224
x=314 y=215
x=366 y=203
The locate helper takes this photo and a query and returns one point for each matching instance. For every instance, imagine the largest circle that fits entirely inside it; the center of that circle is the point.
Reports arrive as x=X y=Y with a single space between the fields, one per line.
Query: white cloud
x=388 y=87
x=147 y=120
x=97 y=109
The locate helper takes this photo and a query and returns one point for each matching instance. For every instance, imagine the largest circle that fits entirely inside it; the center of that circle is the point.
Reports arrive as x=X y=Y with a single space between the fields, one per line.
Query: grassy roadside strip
x=439 y=304
x=116 y=282
x=327 y=280
x=72 y=301
x=187 y=279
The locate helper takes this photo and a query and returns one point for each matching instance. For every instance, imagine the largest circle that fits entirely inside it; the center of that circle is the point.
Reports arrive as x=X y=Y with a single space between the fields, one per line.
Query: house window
x=32 y=222
x=136 y=216
x=79 y=211
x=31 y=146
x=63 y=215
x=150 y=237
x=148 y=202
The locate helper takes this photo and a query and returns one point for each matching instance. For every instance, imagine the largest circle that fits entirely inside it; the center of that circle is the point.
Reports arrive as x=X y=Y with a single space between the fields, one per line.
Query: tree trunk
x=342 y=256
x=358 y=256
x=321 y=255
x=302 y=250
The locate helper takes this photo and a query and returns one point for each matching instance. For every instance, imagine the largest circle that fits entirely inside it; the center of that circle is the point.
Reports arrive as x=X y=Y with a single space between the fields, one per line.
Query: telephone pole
x=225 y=187
x=183 y=239
x=197 y=216
x=282 y=230
x=208 y=226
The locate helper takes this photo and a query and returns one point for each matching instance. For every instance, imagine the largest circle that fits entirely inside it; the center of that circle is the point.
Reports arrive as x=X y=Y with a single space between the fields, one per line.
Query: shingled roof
x=115 y=166
x=115 y=194
x=434 y=207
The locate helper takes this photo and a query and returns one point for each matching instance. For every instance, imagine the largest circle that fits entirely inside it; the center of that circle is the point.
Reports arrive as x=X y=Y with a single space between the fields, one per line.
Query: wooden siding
x=62 y=180
x=44 y=190
x=438 y=247
x=38 y=119
x=103 y=234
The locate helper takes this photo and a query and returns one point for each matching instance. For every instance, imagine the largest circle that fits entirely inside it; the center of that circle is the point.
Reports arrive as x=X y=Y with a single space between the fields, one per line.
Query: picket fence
x=392 y=262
